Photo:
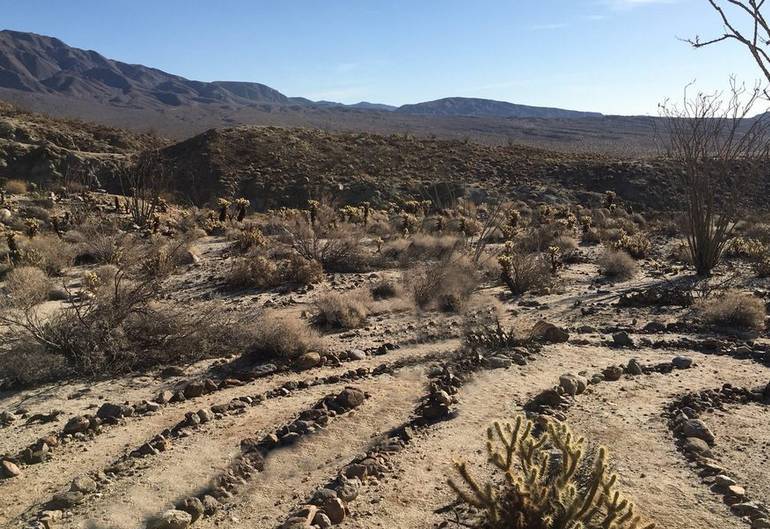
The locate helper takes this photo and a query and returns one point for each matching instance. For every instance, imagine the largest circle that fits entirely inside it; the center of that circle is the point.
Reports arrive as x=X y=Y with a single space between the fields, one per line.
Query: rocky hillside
x=283 y=167
x=44 y=149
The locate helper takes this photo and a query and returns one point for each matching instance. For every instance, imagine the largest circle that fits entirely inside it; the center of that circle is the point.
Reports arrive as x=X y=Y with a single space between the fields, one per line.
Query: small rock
x=549 y=333
x=308 y=361
x=8 y=470
x=334 y=509
x=83 y=484
x=613 y=373
x=172 y=519
x=622 y=339
x=192 y=506
x=697 y=428
x=681 y=362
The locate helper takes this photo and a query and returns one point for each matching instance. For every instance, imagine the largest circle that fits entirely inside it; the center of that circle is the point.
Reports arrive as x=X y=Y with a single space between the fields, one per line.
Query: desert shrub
x=15 y=187
x=385 y=290
x=637 y=246
x=591 y=236
x=161 y=257
x=554 y=480
x=681 y=252
x=27 y=286
x=103 y=246
x=282 y=337
x=420 y=247
x=302 y=271
x=248 y=238
x=118 y=328
x=522 y=272
x=617 y=264
x=255 y=271
x=734 y=309
x=342 y=311
x=48 y=252
x=339 y=249
x=761 y=267
x=445 y=285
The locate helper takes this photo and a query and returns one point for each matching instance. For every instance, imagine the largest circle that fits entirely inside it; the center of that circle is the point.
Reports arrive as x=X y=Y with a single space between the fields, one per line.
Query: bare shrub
x=445 y=285
x=302 y=271
x=722 y=153
x=255 y=271
x=342 y=311
x=617 y=264
x=735 y=309
x=385 y=289
x=143 y=181
x=282 y=337
x=522 y=272
x=338 y=249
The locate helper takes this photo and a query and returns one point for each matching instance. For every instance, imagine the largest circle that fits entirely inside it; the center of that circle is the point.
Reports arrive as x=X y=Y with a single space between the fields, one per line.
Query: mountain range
x=43 y=74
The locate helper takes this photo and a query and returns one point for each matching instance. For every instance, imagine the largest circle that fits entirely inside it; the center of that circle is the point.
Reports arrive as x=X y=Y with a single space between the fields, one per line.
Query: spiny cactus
x=550 y=482
x=609 y=199
x=31 y=227
x=241 y=205
x=222 y=205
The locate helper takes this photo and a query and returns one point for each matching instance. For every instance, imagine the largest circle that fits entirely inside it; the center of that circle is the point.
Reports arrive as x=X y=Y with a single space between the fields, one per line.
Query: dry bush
x=735 y=310
x=385 y=289
x=445 y=285
x=247 y=238
x=302 y=271
x=523 y=272
x=681 y=252
x=339 y=249
x=746 y=248
x=48 y=252
x=282 y=337
x=547 y=481
x=762 y=267
x=617 y=264
x=27 y=286
x=420 y=247
x=15 y=187
x=255 y=271
x=342 y=310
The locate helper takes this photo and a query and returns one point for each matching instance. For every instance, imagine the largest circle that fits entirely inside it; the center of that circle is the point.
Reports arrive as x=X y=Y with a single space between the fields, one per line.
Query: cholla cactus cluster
x=637 y=245
x=549 y=482
x=747 y=247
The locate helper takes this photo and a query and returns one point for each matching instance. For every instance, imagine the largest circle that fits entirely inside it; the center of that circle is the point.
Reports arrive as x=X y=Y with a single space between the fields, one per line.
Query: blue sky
x=611 y=56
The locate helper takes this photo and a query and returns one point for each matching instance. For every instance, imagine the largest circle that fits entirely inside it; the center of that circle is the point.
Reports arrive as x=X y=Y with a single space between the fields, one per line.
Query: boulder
x=612 y=373
x=334 y=508
x=622 y=339
x=350 y=398
x=549 y=333
x=681 y=362
x=308 y=361
x=8 y=470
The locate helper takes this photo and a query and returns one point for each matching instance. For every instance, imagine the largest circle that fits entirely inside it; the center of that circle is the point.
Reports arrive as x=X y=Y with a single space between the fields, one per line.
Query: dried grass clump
x=549 y=481
x=26 y=286
x=16 y=187
x=48 y=252
x=342 y=311
x=617 y=264
x=282 y=337
x=444 y=285
x=253 y=272
x=735 y=310
x=385 y=289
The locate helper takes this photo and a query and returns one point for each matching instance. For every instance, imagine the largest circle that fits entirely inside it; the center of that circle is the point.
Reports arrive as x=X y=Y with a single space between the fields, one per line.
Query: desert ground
x=326 y=366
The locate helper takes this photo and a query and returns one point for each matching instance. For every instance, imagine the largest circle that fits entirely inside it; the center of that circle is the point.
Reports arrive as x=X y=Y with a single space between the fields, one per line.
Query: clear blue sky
x=612 y=56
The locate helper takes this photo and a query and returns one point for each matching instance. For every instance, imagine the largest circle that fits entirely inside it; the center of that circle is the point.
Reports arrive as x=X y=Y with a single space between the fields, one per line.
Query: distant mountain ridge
x=46 y=66
x=469 y=106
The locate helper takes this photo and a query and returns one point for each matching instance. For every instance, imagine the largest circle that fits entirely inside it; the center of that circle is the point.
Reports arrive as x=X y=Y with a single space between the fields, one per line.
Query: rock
x=334 y=509
x=697 y=428
x=572 y=384
x=171 y=519
x=760 y=523
x=549 y=333
x=321 y=495
x=681 y=362
x=655 y=326
x=307 y=514
x=9 y=470
x=67 y=500
x=498 y=362
x=612 y=373
x=194 y=389
x=724 y=481
x=164 y=397
x=357 y=354
x=205 y=415
x=5 y=215
x=113 y=411
x=77 y=424
x=750 y=509
x=322 y=521
x=693 y=445
x=736 y=490
x=308 y=361
x=172 y=371
x=622 y=339
x=210 y=505
x=83 y=484
x=634 y=367
x=350 y=398
x=192 y=506
x=349 y=489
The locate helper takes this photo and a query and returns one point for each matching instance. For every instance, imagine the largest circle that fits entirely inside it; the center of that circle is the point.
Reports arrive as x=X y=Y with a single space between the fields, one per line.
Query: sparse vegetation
x=342 y=311
x=736 y=310
x=617 y=264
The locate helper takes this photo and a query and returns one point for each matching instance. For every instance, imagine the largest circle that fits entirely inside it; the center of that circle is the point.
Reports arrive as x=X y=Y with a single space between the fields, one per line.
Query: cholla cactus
x=549 y=482
x=312 y=206
x=222 y=205
x=14 y=252
x=609 y=199
x=31 y=227
x=365 y=209
x=242 y=205
x=554 y=256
